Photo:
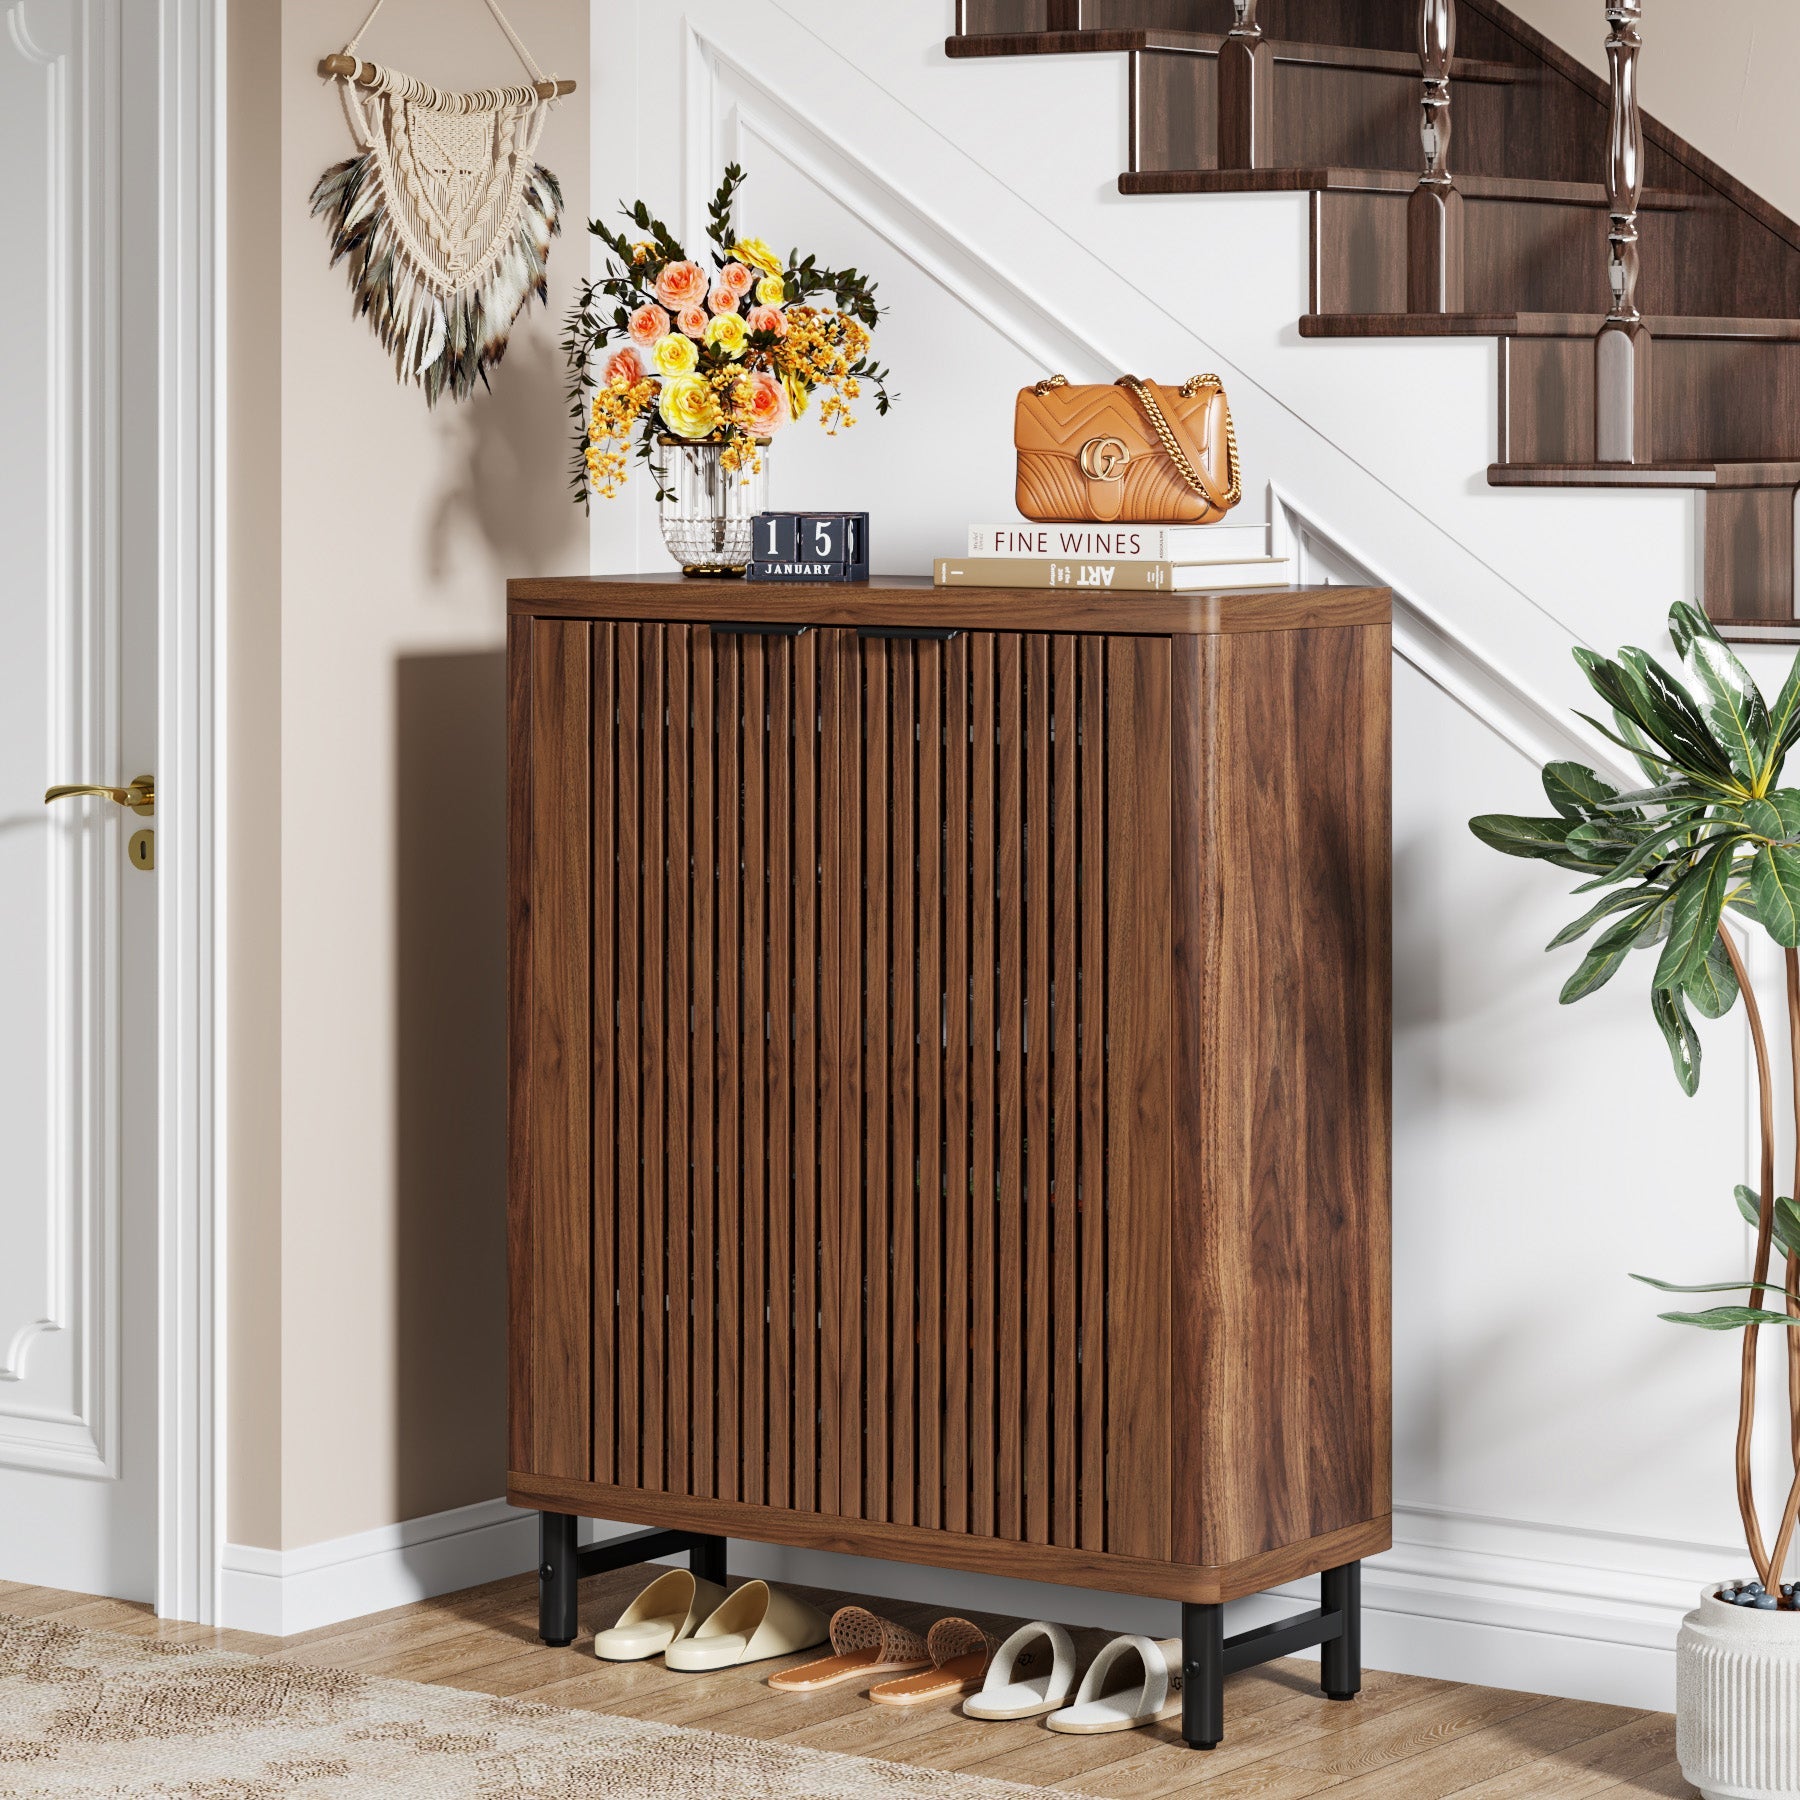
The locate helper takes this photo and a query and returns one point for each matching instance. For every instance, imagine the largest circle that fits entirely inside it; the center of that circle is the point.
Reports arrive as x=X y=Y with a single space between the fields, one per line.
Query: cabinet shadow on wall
x=450 y=1079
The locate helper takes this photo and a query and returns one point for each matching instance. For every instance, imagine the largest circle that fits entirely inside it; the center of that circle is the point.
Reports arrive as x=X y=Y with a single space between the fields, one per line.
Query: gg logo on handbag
x=1134 y=451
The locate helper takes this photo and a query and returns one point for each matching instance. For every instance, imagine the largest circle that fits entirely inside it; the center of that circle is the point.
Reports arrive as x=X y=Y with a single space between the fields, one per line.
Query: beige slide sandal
x=960 y=1654
x=665 y=1612
x=1032 y=1673
x=862 y=1643
x=1133 y=1682
x=750 y=1625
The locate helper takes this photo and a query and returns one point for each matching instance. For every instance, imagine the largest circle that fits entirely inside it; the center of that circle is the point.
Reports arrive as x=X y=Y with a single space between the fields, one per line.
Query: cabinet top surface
x=903 y=600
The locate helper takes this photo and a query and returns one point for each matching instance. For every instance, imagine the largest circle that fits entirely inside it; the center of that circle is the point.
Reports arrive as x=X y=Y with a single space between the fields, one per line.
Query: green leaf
x=1639 y=746
x=1683 y=1040
x=1713 y=987
x=1687 y=623
x=1775 y=885
x=1729 y=1318
x=1714 y=1287
x=1735 y=708
x=1544 y=839
x=1617 y=901
x=1785 y=1232
x=1576 y=791
x=1786 y=802
x=1784 y=723
x=1698 y=901
x=1673 y=719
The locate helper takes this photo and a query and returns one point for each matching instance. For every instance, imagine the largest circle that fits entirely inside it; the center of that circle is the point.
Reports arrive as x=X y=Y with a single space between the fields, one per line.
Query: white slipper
x=1134 y=1681
x=751 y=1625
x=665 y=1612
x=1018 y=1685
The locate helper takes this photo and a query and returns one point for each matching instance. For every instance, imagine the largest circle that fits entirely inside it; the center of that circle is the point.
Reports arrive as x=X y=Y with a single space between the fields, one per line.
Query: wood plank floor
x=1404 y=1739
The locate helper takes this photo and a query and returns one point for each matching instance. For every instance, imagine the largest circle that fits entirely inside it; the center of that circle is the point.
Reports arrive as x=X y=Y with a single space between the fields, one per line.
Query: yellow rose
x=797 y=395
x=771 y=290
x=689 y=406
x=676 y=355
x=757 y=254
x=727 y=332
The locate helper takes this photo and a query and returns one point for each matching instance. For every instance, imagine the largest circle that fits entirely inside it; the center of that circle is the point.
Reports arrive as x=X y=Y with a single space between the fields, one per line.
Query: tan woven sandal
x=861 y=1644
x=960 y=1654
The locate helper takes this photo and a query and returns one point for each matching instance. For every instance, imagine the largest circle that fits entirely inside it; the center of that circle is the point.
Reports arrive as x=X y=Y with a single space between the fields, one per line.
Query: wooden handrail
x=1434 y=219
x=1246 y=90
x=1622 y=353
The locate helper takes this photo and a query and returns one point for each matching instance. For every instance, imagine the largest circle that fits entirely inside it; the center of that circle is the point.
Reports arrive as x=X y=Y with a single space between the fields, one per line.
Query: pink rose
x=681 y=284
x=762 y=404
x=722 y=300
x=649 y=326
x=736 y=279
x=623 y=369
x=768 y=318
x=693 y=321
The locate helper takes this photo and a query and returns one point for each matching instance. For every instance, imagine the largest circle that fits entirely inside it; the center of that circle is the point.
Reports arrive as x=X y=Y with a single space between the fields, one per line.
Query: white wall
x=1563 y=1460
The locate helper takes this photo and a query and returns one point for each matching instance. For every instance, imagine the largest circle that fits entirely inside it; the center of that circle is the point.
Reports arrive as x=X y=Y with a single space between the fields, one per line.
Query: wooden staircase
x=1470 y=179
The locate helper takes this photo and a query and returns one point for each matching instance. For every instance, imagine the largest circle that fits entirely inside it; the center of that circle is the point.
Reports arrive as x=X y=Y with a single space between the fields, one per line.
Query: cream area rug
x=118 y=1718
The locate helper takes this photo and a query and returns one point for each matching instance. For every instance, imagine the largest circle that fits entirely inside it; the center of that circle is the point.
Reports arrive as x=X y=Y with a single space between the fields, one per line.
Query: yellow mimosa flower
x=676 y=355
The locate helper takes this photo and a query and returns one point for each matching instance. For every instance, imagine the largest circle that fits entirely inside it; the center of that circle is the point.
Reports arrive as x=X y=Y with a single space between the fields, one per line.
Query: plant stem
x=1793 y=1261
x=1746 y=1491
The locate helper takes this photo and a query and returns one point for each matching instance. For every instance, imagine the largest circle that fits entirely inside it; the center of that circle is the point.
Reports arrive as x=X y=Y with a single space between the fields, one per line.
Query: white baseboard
x=1585 y=1615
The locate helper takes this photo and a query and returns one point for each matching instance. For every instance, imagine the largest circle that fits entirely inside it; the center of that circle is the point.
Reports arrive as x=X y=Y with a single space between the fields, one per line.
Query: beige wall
x=1719 y=74
x=371 y=542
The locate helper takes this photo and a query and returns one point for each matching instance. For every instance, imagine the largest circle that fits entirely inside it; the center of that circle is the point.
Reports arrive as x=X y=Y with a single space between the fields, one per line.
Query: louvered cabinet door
x=1005 y=1181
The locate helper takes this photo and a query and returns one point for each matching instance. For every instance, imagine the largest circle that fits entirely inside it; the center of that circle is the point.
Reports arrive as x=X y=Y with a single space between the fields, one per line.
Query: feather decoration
x=443 y=336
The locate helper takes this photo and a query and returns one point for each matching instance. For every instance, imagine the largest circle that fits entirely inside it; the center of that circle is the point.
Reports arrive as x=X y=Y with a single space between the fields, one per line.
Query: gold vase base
x=716 y=571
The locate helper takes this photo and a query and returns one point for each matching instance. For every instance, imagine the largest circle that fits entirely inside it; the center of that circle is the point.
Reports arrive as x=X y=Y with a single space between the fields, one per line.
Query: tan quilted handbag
x=1135 y=451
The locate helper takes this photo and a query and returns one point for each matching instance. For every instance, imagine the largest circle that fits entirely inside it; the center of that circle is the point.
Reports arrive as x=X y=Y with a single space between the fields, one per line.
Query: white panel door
x=77 y=695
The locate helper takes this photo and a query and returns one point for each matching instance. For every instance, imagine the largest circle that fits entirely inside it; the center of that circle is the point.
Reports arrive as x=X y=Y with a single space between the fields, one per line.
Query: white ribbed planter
x=1737 y=1700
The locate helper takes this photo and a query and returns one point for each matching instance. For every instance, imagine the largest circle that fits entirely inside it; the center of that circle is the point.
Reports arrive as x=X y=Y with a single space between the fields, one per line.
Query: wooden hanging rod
x=364 y=75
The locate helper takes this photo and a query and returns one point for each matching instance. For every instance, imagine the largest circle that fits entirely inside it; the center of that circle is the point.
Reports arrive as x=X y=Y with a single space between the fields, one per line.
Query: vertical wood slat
x=652 y=865
x=983 y=1273
x=956 y=1085
x=728 y=790
x=902 y=1411
x=605 y=1023
x=1139 y=1171
x=877 y=1077
x=834 y=1052
x=705 y=1000
x=1092 y=857
x=677 y=1027
x=628 y=1171
x=521 y=1256
x=782 y=1325
x=1036 y=912
x=850 y=659
x=752 y=1070
x=806 y=1126
x=930 y=1284
x=1010 y=1375
x=1065 y=1327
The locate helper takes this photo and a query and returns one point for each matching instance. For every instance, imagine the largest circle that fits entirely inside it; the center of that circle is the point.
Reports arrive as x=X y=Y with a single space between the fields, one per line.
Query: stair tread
x=1529 y=324
x=1206 y=43
x=1722 y=474
x=1393 y=181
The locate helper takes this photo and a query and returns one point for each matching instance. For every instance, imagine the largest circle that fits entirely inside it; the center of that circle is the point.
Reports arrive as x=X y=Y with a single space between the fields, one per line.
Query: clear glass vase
x=706 y=510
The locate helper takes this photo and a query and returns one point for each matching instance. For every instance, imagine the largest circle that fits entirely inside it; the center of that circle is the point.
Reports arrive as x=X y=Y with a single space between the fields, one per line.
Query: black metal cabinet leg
x=1340 y=1663
x=1203 y=1675
x=707 y=1560
x=559 y=1578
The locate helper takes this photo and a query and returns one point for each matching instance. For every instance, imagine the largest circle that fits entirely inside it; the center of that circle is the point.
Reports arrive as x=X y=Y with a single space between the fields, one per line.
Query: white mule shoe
x=1133 y=1682
x=751 y=1625
x=1031 y=1674
x=669 y=1609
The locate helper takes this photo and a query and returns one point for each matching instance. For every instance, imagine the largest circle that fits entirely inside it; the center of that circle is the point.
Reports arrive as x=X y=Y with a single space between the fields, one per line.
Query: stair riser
x=1326 y=117
x=1711 y=400
x=1535 y=256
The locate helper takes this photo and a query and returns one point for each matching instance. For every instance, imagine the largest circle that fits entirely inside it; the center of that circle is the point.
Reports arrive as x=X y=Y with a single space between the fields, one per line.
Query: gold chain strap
x=1153 y=409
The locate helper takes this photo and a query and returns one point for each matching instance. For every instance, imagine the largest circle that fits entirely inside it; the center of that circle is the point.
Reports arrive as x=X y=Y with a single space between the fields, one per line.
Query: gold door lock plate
x=143 y=850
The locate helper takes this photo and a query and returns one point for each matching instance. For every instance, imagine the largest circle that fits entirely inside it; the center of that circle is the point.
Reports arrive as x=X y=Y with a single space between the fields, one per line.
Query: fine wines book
x=1124 y=543
x=1136 y=577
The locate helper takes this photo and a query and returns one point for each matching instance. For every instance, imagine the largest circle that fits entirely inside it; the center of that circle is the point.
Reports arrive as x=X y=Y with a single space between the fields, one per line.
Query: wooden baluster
x=1622 y=354
x=1434 y=218
x=1246 y=84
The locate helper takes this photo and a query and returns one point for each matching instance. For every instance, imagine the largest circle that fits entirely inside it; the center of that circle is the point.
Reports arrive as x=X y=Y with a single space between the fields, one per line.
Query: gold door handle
x=140 y=796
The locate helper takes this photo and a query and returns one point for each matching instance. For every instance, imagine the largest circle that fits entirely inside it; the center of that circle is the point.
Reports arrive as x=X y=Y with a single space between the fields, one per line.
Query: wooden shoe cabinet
x=950 y=1085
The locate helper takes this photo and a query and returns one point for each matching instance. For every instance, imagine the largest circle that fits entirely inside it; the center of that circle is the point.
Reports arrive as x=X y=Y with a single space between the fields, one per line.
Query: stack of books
x=1124 y=559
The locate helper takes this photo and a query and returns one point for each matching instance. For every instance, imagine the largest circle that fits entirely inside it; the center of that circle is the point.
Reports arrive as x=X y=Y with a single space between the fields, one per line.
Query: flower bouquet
x=704 y=366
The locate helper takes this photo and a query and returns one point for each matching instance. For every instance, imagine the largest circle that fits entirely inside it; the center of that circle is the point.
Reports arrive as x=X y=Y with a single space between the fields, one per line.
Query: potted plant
x=1708 y=841
x=713 y=360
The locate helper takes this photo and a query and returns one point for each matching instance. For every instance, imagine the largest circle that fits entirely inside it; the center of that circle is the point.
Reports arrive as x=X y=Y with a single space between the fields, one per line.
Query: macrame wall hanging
x=444 y=215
